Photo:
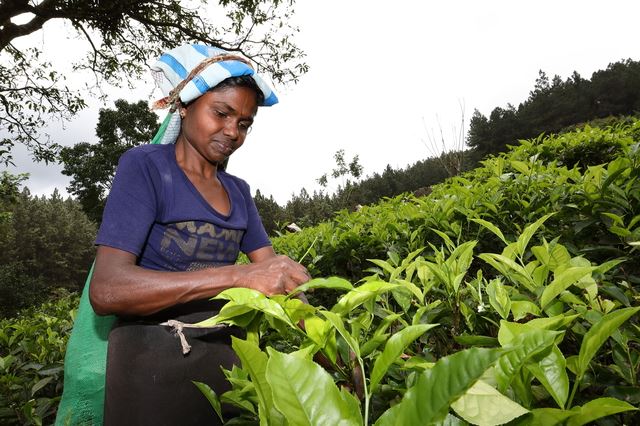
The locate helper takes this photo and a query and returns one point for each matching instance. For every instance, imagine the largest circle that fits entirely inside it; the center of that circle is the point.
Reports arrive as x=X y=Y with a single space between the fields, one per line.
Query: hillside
x=515 y=284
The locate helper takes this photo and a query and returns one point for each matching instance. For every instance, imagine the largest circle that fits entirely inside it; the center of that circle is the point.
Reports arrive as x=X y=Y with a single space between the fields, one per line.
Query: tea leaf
x=41 y=383
x=394 y=348
x=491 y=227
x=551 y=372
x=596 y=409
x=562 y=281
x=499 y=298
x=525 y=237
x=544 y=416
x=360 y=295
x=428 y=400
x=306 y=394
x=211 y=397
x=484 y=405
x=246 y=299
x=522 y=308
x=334 y=283
x=373 y=343
x=525 y=347
x=337 y=323
x=255 y=362
x=599 y=333
x=510 y=269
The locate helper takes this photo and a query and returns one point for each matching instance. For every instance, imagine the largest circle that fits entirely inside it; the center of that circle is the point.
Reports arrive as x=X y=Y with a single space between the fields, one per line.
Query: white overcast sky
x=384 y=73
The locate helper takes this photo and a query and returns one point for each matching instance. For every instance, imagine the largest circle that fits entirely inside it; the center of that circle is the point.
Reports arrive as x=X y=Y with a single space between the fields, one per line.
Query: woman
x=172 y=229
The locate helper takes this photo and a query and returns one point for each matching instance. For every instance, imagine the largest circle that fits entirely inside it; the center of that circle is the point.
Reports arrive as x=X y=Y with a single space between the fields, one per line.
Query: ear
x=182 y=110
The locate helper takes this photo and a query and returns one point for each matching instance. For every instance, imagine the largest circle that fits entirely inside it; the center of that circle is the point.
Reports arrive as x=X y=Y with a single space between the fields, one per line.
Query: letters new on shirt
x=200 y=244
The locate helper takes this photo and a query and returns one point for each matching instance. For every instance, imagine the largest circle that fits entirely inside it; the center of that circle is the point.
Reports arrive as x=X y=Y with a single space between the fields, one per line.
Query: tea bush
x=509 y=295
x=32 y=348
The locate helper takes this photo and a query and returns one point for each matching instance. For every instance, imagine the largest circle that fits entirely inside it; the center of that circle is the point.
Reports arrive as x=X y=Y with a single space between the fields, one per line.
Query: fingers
x=278 y=275
x=294 y=271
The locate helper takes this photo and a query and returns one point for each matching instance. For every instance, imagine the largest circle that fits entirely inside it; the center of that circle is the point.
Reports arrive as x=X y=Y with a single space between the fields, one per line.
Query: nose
x=230 y=129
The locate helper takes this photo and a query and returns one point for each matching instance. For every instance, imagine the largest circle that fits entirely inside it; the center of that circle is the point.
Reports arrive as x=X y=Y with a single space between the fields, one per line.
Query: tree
x=45 y=243
x=554 y=105
x=353 y=168
x=121 y=36
x=92 y=166
x=271 y=213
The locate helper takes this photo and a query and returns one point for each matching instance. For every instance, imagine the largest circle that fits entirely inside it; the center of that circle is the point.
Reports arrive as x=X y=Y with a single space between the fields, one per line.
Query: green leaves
x=244 y=300
x=596 y=409
x=499 y=298
x=211 y=397
x=483 y=405
x=360 y=295
x=562 y=281
x=334 y=283
x=525 y=237
x=436 y=389
x=524 y=347
x=306 y=395
x=598 y=334
x=394 y=348
x=551 y=372
x=255 y=362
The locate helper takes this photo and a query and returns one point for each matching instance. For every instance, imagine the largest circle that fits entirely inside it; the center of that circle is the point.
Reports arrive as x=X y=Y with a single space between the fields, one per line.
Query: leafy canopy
x=92 y=166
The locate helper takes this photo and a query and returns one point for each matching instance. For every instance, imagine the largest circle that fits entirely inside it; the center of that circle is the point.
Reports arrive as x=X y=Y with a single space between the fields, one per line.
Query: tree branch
x=11 y=8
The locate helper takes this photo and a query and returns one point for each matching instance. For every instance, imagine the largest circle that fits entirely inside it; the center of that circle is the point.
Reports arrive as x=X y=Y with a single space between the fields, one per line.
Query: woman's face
x=216 y=123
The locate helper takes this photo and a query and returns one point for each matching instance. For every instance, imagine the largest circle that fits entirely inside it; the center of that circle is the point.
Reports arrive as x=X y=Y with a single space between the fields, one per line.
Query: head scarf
x=186 y=72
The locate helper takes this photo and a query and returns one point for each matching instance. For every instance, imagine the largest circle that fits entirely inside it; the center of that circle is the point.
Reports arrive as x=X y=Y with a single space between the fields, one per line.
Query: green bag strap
x=163 y=127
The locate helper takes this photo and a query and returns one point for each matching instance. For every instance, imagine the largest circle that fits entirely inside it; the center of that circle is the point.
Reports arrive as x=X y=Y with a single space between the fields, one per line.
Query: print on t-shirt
x=196 y=245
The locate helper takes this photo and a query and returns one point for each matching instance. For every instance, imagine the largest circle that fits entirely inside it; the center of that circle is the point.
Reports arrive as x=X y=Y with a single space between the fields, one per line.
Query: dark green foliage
x=32 y=348
x=535 y=261
x=45 y=243
x=19 y=288
x=92 y=166
x=524 y=254
x=309 y=210
x=509 y=191
x=270 y=212
x=555 y=105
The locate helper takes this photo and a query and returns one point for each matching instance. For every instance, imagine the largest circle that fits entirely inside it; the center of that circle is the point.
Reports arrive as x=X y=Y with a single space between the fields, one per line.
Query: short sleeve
x=256 y=236
x=131 y=206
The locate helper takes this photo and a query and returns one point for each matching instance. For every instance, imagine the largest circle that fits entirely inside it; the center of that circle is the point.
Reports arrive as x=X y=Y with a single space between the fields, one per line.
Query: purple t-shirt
x=155 y=212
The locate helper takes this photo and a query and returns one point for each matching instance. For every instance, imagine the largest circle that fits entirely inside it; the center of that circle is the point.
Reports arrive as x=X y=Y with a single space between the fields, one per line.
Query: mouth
x=225 y=148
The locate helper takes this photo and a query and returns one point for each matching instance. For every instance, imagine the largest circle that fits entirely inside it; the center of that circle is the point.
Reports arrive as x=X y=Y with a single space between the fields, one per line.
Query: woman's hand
x=272 y=274
x=275 y=275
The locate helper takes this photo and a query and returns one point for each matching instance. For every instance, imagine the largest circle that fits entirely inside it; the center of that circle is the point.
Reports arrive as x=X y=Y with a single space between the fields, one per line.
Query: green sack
x=85 y=364
x=85 y=361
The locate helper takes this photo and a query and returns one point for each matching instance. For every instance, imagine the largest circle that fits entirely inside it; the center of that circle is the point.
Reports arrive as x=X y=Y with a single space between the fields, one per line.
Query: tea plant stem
x=309 y=249
x=634 y=380
x=366 y=393
x=576 y=384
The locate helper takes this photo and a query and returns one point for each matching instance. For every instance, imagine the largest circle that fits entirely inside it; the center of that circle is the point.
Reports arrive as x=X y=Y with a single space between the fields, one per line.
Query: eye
x=244 y=126
x=221 y=114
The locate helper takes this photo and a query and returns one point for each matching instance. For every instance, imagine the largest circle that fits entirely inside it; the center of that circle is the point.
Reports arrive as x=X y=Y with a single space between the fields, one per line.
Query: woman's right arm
x=121 y=287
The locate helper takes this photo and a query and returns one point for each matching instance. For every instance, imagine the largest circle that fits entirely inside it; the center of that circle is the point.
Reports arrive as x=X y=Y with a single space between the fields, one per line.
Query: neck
x=190 y=160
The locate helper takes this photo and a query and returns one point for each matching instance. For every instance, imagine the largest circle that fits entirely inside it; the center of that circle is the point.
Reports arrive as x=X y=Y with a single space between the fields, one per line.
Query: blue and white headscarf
x=186 y=72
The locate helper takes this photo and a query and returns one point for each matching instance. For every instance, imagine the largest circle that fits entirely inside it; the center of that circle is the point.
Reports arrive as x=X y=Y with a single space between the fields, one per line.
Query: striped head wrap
x=188 y=71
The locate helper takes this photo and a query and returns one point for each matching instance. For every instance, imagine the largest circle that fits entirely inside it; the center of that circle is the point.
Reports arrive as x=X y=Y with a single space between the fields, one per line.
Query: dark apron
x=149 y=380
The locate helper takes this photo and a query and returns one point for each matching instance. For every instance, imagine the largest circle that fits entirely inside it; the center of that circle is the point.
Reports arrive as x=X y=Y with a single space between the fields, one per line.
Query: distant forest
x=553 y=106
